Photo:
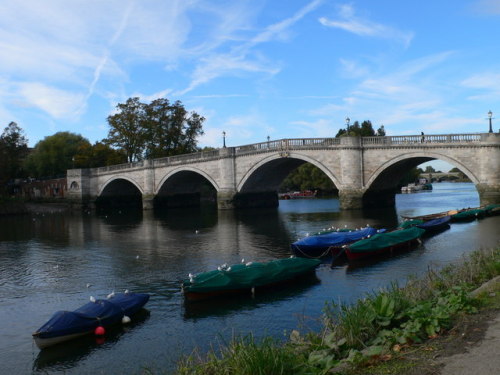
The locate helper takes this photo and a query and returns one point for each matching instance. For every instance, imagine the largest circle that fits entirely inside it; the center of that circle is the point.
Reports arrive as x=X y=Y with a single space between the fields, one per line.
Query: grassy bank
x=383 y=326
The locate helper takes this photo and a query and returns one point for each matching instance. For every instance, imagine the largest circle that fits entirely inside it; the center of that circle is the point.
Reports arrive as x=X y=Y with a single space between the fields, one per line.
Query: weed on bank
x=373 y=329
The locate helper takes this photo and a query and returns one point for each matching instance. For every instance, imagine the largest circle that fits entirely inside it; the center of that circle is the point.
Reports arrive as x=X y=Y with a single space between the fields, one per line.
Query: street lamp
x=490 y=117
x=224 y=139
x=347 y=120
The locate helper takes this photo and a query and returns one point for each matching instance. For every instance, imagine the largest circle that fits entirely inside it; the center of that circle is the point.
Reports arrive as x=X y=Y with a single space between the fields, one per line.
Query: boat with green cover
x=245 y=277
x=469 y=214
x=383 y=243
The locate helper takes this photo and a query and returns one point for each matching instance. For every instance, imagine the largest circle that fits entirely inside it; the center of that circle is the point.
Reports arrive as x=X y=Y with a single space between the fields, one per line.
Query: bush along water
x=371 y=329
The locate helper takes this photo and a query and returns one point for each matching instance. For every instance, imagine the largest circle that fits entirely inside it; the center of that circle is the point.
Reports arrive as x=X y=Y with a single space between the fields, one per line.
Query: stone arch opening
x=260 y=185
x=387 y=180
x=119 y=192
x=185 y=188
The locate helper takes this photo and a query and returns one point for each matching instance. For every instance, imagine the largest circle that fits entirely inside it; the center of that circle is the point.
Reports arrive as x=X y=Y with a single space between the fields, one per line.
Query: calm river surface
x=47 y=260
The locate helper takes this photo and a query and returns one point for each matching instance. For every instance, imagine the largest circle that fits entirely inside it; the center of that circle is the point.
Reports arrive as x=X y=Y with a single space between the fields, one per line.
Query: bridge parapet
x=187 y=158
x=287 y=144
x=413 y=139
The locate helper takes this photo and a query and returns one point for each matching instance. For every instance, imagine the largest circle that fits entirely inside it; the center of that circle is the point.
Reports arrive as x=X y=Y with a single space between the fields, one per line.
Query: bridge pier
x=225 y=200
x=351 y=199
x=147 y=202
x=488 y=194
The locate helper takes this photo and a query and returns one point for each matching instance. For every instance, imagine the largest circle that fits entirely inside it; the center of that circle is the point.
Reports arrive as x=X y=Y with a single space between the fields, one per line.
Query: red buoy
x=99 y=331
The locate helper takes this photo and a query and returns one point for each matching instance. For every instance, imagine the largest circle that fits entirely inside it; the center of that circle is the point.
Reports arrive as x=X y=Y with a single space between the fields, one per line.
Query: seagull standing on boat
x=92 y=299
x=111 y=295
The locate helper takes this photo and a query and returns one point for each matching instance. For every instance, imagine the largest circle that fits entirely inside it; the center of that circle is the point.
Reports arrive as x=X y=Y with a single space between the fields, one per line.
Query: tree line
x=137 y=131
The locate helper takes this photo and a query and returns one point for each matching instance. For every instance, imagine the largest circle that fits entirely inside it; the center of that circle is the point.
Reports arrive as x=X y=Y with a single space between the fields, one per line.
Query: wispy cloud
x=485 y=84
x=489 y=7
x=348 y=21
x=242 y=58
x=55 y=102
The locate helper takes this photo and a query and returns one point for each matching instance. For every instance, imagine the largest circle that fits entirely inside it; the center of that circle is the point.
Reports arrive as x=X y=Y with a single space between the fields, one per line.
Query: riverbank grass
x=376 y=329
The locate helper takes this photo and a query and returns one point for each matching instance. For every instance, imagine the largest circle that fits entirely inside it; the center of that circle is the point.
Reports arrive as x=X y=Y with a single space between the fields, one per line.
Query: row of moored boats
x=247 y=277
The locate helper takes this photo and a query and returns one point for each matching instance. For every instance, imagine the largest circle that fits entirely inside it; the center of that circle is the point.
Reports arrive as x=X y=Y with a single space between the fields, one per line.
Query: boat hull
x=68 y=325
x=246 y=278
x=398 y=240
x=400 y=247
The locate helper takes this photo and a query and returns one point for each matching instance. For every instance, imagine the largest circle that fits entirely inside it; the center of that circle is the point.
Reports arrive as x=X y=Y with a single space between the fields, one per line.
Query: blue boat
x=67 y=325
x=435 y=225
x=321 y=246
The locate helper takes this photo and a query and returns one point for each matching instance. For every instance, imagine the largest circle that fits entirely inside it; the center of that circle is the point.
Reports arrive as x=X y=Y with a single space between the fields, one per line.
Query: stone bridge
x=365 y=170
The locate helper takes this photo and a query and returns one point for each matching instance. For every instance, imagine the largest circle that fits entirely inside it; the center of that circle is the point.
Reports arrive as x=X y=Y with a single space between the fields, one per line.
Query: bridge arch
x=118 y=179
x=268 y=173
x=412 y=160
x=181 y=170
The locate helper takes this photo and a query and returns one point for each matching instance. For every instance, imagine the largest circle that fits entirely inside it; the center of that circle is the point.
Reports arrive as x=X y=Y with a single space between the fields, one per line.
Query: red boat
x=299 y=194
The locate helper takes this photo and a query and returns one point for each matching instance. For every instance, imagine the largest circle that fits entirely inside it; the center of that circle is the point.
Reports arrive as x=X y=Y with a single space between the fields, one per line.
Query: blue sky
x=253 y=68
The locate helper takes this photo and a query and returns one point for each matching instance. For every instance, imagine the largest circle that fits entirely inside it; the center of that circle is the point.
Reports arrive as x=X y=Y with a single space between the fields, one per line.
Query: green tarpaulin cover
x=410 y=223
x=468 y=214
x=383 y=240
x=241 y=276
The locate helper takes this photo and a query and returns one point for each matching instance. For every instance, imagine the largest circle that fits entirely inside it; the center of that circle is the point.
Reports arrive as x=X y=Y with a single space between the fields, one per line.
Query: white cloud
x=363 y=27
x=55 y=102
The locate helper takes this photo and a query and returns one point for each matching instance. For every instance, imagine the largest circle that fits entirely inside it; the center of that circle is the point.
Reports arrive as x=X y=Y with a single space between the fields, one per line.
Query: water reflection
x=64 y=356
x=245 y=302
x=46 y=263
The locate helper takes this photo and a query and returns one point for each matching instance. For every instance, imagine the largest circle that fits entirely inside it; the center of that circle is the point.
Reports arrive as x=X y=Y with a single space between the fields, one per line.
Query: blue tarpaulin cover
x=102 y=312
x=310 y=246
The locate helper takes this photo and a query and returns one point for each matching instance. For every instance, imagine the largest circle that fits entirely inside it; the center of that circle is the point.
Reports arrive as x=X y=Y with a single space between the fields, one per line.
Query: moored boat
x=469 y=214
x=245 y=277
x=67 y=325
x=320 y=246
x=428 y=217
x=383 y=243
x=305 y=194
x=492 y=209
x=435 y=225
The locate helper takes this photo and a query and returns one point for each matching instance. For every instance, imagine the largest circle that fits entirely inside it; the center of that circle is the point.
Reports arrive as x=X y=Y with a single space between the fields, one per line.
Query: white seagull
x=92 y=299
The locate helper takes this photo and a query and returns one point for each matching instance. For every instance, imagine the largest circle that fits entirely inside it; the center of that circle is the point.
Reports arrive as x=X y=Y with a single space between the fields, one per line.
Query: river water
x=47 y=260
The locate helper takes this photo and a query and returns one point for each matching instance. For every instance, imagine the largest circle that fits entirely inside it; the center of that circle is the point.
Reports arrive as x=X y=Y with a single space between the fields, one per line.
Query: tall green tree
x=13 y=151
x=54 y=155
x=154 y=130
x=170 y=129
x=126 y=129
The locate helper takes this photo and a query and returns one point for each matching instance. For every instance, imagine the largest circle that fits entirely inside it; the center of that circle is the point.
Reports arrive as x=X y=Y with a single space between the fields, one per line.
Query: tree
x=307 y=177
x=126 y=129
x=429 y=169
x=54 y=155
x=363 y=130
x=97 y=155
x=170 y=129
x=13 y=151
x=154 y=130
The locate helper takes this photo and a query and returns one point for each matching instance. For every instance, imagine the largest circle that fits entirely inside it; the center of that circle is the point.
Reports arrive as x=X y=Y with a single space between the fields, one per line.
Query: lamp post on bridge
x=347 y=121
x=490 y=117
x=223 y=139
